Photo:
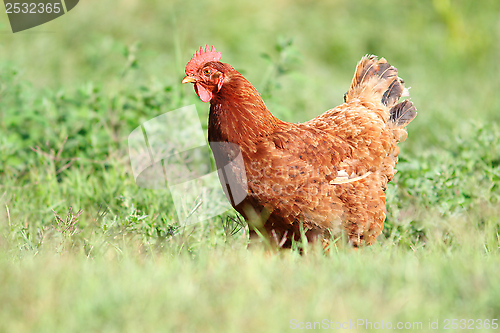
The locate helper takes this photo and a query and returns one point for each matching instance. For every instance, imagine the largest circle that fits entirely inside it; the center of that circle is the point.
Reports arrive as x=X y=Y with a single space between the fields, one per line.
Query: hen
x=315 y=178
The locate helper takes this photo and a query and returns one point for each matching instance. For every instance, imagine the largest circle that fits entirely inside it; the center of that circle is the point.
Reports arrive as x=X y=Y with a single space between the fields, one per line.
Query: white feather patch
x=406 y=92
x=341 y=179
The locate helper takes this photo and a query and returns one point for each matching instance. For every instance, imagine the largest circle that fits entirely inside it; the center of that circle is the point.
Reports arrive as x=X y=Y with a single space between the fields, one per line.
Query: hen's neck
x=238 y=113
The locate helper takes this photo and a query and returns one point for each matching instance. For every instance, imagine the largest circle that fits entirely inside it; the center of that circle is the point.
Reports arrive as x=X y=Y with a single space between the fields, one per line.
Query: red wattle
x=204 y=94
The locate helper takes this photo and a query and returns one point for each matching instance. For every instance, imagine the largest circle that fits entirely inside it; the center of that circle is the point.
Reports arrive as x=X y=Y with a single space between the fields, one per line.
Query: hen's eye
x=207 y=72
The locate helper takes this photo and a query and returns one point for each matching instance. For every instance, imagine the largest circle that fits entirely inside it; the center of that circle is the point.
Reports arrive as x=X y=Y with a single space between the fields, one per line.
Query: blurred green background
x=446 y=50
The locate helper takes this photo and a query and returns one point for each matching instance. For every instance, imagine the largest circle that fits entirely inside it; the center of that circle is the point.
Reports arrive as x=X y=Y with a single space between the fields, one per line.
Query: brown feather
x=403 y=113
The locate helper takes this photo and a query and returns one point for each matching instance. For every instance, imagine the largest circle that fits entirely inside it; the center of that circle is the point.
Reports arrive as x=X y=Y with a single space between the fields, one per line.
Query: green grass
x=71 y=92
x=235 y=290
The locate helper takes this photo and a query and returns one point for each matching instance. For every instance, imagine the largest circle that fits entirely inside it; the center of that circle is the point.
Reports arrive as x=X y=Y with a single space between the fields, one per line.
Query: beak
x=189 y=79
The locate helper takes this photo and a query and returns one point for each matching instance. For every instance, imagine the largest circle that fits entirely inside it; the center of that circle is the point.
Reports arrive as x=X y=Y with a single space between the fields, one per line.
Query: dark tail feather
x=393 y=93
x=402 y=114
x=376 y=77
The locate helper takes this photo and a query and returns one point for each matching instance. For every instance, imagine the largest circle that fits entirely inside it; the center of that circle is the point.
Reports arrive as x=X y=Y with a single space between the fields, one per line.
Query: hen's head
x=206 y=72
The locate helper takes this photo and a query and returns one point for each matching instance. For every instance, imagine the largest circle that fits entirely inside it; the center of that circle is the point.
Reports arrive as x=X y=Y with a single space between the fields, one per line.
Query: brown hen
x=325 y=175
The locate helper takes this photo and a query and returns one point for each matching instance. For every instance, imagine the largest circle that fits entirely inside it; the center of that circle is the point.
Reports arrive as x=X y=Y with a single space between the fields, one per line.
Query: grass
x=231 y=289
x=125 y=264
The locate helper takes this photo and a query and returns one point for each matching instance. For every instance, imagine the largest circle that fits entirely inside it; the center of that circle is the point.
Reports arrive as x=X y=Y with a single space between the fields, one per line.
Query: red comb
x=201 y=57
